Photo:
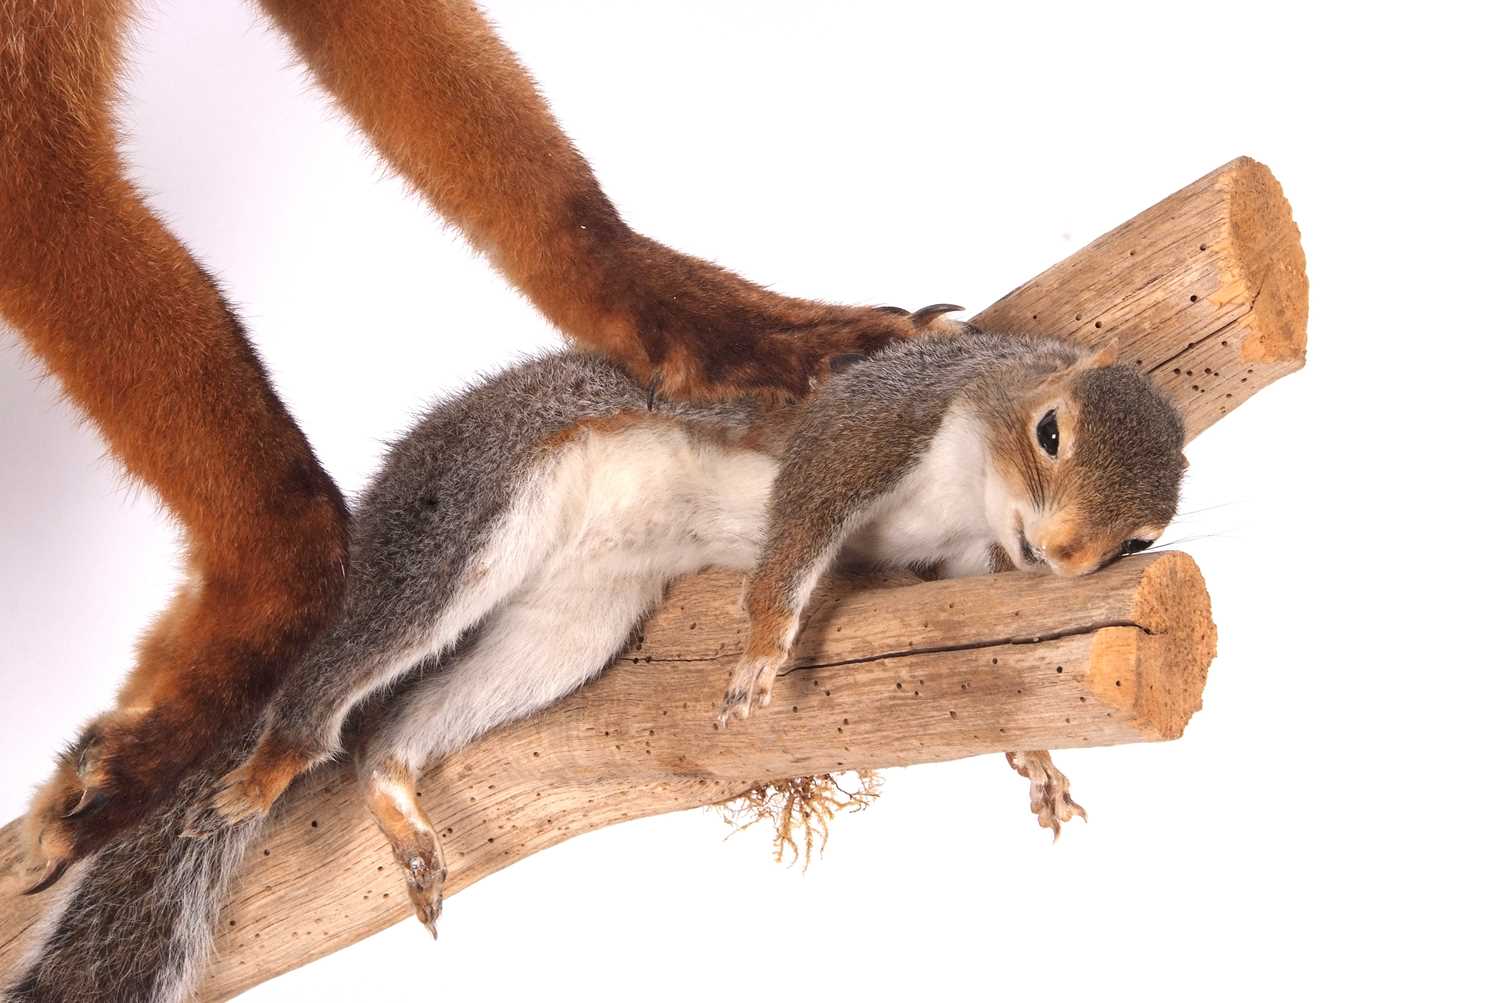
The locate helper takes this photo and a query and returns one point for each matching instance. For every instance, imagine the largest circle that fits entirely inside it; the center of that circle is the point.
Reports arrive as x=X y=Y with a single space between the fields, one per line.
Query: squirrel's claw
x=750 y=687
x=204 y=821
x=1050 y=800
x=250 y=790
x=425 y=874
x=736 y=705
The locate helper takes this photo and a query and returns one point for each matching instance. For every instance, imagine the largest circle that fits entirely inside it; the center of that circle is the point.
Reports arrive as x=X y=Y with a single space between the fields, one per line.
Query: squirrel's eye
x=1046 y=433
x=1135 y=546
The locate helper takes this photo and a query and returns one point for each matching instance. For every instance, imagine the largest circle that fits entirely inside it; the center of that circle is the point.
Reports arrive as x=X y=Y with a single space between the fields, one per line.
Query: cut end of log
x=1206 y=292
x=1272 y=268
x=1155 y=671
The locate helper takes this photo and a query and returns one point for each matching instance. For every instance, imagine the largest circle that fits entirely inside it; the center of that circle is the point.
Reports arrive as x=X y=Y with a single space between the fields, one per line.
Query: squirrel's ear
x=1106 y=354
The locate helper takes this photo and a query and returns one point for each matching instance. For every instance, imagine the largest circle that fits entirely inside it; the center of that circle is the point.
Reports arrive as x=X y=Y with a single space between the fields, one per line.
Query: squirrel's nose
x=1063 y=552
x=1068 y=558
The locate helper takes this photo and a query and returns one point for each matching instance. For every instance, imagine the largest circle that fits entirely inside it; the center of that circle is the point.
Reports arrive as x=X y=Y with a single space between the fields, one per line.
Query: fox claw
x=53 y=870
x=65 y=823
x=92 y=799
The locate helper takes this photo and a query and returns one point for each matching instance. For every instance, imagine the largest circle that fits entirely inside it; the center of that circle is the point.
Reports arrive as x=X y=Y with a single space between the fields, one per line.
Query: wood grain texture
x=1206 y=290
x=884 y=676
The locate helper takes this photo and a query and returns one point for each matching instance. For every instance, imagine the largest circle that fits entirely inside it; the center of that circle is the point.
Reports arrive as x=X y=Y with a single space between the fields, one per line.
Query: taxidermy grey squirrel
x=523 y=528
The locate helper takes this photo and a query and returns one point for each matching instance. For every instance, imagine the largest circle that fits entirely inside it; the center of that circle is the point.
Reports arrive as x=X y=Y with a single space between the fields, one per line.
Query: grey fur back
x=884 y=411
x=454 y=474
x=442 y=489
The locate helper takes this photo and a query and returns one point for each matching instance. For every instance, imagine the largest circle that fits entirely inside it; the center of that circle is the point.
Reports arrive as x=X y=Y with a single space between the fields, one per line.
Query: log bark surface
x=883 y=676
x=1206 y=290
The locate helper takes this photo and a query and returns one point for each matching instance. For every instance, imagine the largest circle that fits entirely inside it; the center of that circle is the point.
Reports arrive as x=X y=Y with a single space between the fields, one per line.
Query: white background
x=1326 y=826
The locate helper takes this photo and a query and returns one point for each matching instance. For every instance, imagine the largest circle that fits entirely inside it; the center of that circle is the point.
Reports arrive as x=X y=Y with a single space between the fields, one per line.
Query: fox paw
x=750 y=686
x=1050 y=800
x=76 y=812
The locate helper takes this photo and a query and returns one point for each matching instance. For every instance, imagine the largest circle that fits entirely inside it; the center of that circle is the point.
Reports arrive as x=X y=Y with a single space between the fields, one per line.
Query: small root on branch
x=800 y=809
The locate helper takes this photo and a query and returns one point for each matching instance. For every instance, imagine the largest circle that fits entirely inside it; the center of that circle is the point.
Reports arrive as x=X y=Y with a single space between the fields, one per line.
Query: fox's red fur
x=142 y=341
x=452 y=109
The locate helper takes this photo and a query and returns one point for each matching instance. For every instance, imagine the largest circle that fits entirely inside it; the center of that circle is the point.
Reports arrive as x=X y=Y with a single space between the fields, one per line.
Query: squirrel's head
x=1086 y=465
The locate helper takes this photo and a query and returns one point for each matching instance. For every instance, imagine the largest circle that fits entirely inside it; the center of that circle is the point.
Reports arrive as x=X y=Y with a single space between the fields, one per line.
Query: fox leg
x=526 y=198
x=143 y=343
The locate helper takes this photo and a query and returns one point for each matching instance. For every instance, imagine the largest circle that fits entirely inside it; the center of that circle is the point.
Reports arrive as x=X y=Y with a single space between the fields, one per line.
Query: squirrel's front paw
x=1050 y=800
x=750 y=686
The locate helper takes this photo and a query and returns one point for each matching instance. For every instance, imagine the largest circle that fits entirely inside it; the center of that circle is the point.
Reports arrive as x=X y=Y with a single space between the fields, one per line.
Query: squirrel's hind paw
x=424 y=870
x=248 y=791
x=242 y=796
x=1050 y=800
x=391 y=795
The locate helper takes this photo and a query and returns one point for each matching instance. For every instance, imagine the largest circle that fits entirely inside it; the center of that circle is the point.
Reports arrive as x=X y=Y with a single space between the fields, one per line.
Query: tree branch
x=1206 y=290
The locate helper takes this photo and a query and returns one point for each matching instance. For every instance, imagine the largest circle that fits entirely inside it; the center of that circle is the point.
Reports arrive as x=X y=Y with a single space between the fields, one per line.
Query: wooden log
x=883 y=677
x=1206 y=290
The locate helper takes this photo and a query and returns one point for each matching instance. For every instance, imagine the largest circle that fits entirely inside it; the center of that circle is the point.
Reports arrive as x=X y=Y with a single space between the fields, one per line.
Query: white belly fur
x=601 y=528
x=586 y=551
x=937 y=512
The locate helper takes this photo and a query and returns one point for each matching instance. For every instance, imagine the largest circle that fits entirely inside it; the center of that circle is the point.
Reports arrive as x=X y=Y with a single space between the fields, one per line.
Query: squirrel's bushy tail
x=137 y=923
